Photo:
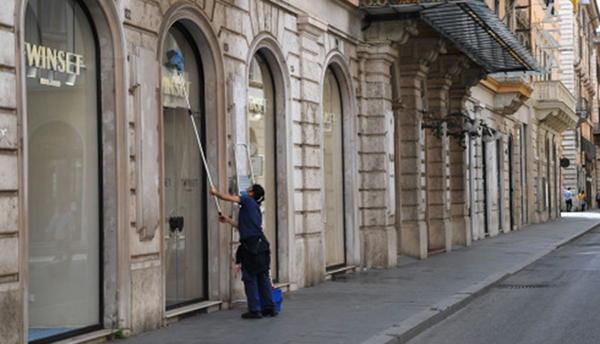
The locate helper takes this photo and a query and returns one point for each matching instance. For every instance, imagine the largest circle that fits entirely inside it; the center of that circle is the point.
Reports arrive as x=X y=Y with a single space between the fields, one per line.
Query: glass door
x=333 y=168
x=184 y=178
x=263 y=140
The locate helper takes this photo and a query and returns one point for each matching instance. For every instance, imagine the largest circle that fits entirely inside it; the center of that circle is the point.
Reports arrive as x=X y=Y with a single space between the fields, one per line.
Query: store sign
x=52 y=61
x=257 y=105
x=174 y=92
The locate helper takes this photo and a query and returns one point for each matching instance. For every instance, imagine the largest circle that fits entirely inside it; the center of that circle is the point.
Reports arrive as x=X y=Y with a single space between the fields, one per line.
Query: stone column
x=414 y=67
x=438 y=215
x=378 y=234
x=414 y=227
x=397 y=34
x=462 y=184
x=310 y=253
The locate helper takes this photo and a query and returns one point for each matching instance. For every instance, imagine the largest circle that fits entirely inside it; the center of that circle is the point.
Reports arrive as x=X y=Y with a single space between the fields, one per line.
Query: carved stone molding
x=448 y=66
x=311 y=25
x=508 y=103
x=377 y=52
x=469 y=77
x=423 y=51
x=589 y=86
x=462 y=84
x=392 y=32
x=510 y=96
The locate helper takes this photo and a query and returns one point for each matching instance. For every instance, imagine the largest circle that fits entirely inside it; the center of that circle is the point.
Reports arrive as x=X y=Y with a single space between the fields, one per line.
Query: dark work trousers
x=256 y=284
x=569 y=204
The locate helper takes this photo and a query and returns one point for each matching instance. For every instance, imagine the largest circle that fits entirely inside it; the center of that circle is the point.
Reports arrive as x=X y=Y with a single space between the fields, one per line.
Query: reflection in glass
x=334 y=172
x=63 y=177
x=184 y=183
x=261 y=117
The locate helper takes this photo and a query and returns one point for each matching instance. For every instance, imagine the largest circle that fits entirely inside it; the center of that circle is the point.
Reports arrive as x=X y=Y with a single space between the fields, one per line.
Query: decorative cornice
x=510 y=95
x=507 y=87
x=507 y=104
x=377 y=52
x=423 y=51
x=311 y=25
x=391 y=32
x=449 y=66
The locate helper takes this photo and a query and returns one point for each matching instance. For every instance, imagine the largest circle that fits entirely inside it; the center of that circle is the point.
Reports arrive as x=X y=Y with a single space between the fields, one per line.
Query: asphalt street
x=388 y=305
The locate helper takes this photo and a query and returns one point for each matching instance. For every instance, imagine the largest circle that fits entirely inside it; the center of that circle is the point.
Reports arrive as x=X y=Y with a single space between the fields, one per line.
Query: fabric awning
x=470 y=25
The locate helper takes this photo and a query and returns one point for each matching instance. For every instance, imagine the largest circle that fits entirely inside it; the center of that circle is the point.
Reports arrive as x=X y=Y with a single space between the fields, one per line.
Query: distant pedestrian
x=569 y=199
x=598 y=199
x=254 y=251
x=582 y=200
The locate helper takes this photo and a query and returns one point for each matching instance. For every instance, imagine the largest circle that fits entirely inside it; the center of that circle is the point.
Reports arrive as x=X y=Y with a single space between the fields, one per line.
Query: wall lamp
x=459 y=125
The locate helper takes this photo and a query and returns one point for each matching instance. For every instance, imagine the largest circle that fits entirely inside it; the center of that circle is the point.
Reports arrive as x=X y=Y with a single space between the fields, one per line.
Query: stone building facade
x=98 y=141
x=374 y=135
x=579 y=60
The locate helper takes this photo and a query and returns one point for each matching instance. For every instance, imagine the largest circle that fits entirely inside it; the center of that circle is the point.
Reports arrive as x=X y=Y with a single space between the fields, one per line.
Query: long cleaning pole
x=187 y=100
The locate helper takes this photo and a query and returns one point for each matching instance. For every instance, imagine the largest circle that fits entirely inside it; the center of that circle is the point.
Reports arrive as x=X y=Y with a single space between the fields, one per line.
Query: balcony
x=555 y=105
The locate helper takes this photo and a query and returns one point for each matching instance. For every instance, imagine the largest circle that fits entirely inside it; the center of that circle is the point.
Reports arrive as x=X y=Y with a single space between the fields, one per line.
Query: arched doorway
x=262 y=146
x=65 y=297
x=184 y=182
x=333 y=171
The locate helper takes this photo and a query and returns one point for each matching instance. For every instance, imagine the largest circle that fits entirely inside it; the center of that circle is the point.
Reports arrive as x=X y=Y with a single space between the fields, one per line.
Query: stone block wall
x=303 y=46
x=12 y=235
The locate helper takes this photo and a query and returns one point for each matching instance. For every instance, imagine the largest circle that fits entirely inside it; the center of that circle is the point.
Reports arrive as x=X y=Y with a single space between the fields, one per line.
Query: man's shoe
x=269 y=312
x=252 y=315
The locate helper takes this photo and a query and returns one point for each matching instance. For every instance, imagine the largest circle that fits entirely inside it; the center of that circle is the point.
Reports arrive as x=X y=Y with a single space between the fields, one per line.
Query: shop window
x=64 y=173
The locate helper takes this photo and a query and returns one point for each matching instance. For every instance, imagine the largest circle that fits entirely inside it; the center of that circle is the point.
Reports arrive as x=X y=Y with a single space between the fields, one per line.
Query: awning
x=470 y=25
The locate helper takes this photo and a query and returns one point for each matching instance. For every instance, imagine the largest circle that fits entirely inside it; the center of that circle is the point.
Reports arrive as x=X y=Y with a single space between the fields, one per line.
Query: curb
x=417 y=323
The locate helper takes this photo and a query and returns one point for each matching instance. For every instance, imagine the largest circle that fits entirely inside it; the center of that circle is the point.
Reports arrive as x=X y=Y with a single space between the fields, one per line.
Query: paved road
x=383 y=306
x=555 y=300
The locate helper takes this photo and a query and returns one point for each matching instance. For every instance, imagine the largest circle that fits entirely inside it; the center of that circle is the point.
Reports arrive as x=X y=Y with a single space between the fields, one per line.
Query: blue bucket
x=277 y=298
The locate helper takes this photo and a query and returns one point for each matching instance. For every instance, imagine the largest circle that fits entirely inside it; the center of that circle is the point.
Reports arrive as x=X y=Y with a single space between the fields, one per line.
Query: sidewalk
x=383 y=306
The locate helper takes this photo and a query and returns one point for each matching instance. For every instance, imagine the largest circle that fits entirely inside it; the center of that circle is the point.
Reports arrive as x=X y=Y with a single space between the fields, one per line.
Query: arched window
x=184 y=176
x=64 y=170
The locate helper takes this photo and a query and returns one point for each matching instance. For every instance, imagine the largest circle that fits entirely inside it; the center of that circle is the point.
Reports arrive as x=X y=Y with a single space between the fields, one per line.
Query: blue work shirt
x=250 y=218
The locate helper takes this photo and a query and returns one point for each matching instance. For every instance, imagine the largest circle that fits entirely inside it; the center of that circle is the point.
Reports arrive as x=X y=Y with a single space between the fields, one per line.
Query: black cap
x=259 y=193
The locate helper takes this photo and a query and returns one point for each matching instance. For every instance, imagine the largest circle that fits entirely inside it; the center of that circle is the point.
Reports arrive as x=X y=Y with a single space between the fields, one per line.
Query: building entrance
x=185 y=233
x=333 y=168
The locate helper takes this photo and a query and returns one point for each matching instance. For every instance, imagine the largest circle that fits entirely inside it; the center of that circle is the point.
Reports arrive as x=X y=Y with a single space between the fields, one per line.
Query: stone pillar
x=147 y=285
x=414 y=67
x=461 y=155
x=438 y=175
x=378 y=234
x=13 y=240
x=310 y=253
x=414 y=227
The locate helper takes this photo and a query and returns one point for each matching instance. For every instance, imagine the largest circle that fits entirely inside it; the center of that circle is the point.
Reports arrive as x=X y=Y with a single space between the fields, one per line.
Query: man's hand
x=226 y=219
x=213 y=190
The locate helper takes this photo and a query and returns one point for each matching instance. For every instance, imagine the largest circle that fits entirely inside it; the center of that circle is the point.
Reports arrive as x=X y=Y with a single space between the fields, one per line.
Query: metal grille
x=470 y=25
